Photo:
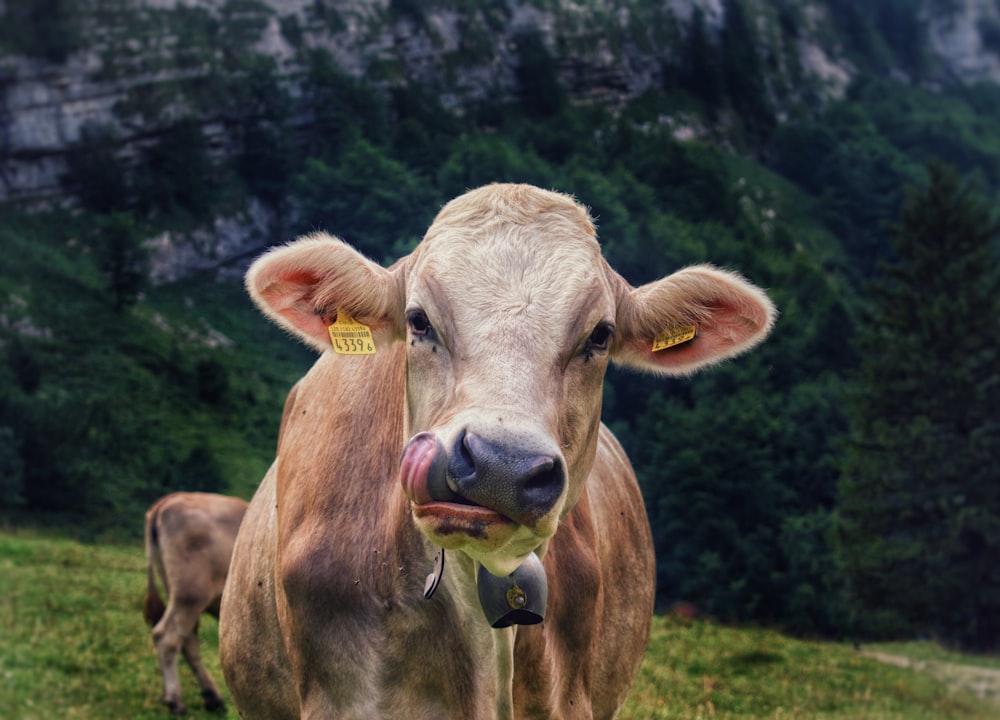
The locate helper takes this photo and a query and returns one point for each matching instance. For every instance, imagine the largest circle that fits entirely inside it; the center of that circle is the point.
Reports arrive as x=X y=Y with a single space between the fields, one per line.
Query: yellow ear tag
x=676 y=336
x=349 y=337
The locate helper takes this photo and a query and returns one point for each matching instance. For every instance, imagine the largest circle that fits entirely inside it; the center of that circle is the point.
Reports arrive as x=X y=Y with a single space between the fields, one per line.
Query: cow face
x=510 y=316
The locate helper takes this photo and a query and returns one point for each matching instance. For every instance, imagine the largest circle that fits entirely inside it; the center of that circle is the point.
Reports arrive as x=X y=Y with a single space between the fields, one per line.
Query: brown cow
x=474 y=427
x=189 y=542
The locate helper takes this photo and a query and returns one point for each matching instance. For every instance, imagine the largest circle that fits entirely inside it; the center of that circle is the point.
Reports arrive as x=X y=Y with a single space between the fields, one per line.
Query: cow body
x=189 y=543
x=474 y=427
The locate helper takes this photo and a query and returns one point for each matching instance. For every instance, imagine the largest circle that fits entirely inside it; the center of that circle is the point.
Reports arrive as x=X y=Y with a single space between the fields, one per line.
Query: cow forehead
x=510 y=204
x=510 y=251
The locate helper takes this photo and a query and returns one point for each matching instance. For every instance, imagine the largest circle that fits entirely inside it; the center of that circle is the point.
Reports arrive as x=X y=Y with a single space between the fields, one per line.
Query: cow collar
x=516 y=599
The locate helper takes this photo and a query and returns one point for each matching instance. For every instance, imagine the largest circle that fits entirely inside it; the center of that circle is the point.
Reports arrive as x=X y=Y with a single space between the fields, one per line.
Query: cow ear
x=696 y=317
x=303 y=284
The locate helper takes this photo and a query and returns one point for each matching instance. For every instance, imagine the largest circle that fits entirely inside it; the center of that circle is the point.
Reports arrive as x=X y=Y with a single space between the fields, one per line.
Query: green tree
x=11 y=469
x=542 y=94
x=700 y=69
x=342 y=107
x=267 y=155
x=118 y=246
x=365 y=197
x=855 y=171
x=743 y=75
x=176 y=173
x=920 y=488
x=47 y=29
x=95 y=173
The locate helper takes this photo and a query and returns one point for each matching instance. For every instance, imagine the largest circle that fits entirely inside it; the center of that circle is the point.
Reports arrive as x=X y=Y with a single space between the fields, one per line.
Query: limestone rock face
x=605 y=52
x=967 y=40
x=136 y=66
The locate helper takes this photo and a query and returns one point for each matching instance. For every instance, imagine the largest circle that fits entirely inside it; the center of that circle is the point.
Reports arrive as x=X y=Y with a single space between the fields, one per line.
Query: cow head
x=510 y=316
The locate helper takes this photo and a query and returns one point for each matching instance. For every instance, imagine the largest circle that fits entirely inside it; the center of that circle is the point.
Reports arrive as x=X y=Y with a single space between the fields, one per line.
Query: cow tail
x=152 y=606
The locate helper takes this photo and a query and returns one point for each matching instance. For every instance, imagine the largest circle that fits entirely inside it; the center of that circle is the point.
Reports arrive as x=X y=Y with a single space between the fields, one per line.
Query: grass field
x=73 y=645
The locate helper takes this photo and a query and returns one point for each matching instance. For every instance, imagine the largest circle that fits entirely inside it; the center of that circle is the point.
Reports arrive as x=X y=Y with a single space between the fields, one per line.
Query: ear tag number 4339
x=349 y=337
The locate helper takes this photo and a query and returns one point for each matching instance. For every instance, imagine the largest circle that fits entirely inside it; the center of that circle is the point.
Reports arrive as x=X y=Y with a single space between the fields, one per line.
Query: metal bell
x=518 y=598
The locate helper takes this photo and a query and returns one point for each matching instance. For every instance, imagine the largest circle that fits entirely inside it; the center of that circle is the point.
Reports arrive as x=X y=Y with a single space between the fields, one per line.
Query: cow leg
x=167 y=641
x=192 y=653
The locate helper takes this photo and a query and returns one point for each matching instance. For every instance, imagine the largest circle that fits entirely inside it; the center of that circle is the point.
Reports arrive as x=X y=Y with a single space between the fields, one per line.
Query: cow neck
x=493 y=649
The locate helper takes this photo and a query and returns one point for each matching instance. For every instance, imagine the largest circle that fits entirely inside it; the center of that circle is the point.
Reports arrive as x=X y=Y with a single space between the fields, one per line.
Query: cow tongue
x=423 y=470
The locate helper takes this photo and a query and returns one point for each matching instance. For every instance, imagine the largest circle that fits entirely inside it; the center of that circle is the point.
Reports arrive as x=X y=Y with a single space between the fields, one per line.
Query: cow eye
x=418 y=322
x=600 y=338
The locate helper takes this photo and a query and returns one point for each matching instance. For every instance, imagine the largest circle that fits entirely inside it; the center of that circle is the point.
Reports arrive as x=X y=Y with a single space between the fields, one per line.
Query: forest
x=843 y=480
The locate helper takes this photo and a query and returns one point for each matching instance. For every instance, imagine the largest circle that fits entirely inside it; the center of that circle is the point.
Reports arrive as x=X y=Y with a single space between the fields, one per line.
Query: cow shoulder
x=337 y=476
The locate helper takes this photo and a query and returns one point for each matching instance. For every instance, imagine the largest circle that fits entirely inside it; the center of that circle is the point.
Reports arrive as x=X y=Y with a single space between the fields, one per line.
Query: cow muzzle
x=496 y=500
x=481 y=479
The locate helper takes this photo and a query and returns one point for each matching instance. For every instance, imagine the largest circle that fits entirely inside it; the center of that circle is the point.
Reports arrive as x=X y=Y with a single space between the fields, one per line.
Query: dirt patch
x=984 y=683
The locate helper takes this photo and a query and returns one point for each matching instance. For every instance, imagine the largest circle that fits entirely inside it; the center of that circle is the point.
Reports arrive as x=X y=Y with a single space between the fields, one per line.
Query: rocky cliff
x=132 y=66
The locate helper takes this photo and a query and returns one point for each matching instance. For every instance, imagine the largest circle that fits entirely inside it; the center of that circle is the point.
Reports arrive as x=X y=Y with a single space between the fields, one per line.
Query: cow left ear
x=302 y=285
x=697 y=317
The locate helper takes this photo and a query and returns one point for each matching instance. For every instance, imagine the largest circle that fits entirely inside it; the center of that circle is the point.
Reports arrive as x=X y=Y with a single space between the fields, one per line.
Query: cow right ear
x=302 y=285
x=696 y=317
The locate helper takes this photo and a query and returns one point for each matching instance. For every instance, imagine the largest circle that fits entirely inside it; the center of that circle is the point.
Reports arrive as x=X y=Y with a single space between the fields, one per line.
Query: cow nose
x=507 y=477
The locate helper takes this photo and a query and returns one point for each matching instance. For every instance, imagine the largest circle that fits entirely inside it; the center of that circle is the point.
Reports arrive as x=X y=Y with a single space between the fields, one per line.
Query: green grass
x=696 y=669
x=73 y=645
x=929 y=651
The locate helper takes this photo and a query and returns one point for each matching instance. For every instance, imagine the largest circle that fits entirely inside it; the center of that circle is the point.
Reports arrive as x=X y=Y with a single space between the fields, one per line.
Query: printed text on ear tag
x=674 y=336
x=349 y=337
